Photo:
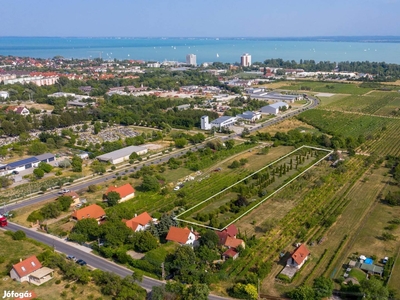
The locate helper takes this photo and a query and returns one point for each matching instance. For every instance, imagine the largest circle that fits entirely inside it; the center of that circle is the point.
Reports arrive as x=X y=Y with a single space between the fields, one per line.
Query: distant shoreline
x=359 y=39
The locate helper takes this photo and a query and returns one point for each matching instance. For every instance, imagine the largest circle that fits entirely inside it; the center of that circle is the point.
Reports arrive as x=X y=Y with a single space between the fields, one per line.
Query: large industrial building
x=27 y=163
x=274 y=108
x=122 y=155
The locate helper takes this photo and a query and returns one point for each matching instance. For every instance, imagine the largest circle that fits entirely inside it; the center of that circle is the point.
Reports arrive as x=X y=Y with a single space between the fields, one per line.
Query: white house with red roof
x=298 y=257
x=125 y=192
x=19 y=110
x=140 y=222
x=31 y=270
x=183 y=236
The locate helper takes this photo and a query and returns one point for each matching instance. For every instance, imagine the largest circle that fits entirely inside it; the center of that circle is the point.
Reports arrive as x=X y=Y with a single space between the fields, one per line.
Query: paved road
x=81 y=252
x=96 y=261
x=130 y=169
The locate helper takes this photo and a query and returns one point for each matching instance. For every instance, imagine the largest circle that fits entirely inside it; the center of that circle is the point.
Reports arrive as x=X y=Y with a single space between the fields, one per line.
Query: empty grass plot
x=235 y=201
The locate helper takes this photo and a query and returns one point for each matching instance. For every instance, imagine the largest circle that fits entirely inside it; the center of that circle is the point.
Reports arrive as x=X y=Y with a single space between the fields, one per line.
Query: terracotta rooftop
x=92 y=211
x=142 y=219
x=27 y=266
x=231 y=252
x=177 y=234
x=300 y=254
x=123 y=190
x=232 y=230
x=232 y=242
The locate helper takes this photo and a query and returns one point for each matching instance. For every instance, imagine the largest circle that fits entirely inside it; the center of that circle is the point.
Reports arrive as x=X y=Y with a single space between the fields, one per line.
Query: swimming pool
x=368 y=261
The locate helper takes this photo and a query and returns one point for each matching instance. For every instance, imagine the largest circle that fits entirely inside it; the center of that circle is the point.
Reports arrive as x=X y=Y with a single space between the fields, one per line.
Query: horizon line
x=213 y=37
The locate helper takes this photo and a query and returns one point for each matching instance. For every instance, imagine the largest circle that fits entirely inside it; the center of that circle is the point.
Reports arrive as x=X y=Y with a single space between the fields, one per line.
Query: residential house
x=74 y=196
x=227 y=238
x=4 y=94
x=31 y=270
x=125 y=192
x=183 y=236
x=140 y=222
x=92 y=211
x=298 y=257
x=19 y=110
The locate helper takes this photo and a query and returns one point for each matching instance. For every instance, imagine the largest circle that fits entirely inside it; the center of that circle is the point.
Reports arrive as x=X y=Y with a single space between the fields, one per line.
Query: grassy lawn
x=329 y=87
x=345 y=124
x=17 y=250
x=287 y=125
x=358 y=274
x=377 y=102
x=395 y=277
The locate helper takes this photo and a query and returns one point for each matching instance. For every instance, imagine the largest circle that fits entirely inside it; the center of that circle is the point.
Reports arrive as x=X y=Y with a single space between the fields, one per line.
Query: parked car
x=15 y=172
x=81 y=262
x=78 y=205
x=177 y=188
x=71 y=257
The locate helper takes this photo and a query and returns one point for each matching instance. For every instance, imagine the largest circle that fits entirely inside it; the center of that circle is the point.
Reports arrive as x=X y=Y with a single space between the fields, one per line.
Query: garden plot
x=240 y=198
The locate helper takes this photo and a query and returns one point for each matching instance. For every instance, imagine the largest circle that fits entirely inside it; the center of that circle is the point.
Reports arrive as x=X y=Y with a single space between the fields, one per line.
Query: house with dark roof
x=92 y=211
x=31 y=270
x=183 y=236
x=140 y=222
x=298 y=257
x=125 y=192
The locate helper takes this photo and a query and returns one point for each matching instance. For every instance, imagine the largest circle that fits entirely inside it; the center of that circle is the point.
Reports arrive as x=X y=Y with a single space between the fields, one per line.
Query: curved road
x=81 y=252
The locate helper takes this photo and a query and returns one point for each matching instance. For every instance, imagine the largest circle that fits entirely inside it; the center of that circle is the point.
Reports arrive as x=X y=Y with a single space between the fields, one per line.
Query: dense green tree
x=303 y=292
x=39 y=173
x=374 y=289
x=37 y=148
x=150 y=183
x=181 y=142
x=144 y=241
x=65 y=202
x=323 y=287
x=113 y=198
x=76 y=164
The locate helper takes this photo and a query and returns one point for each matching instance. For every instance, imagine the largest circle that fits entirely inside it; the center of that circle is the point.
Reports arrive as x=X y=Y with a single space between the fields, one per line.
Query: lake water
x=207 y=49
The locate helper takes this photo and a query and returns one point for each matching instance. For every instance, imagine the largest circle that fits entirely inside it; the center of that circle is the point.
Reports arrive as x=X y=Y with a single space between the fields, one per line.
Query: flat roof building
x=274 y=108
x=122 y=155
x=223 y=121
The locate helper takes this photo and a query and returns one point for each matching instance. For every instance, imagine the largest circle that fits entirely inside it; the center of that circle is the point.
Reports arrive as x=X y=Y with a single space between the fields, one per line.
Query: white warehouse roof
x=121 y=153
x=278 y=104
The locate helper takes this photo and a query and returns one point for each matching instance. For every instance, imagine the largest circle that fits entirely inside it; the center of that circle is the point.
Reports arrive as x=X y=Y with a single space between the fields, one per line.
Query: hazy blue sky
x=192 y=18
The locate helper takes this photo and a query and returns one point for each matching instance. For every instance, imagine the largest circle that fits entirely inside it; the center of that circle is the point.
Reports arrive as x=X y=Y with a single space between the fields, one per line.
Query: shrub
x=19 y=235
x=58 y=281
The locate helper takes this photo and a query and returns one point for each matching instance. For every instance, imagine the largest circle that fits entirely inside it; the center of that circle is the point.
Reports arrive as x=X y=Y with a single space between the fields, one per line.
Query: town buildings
x=89 y=212
x=140 y=222
x=27 y=163
x=183 y=236
x=4 y=94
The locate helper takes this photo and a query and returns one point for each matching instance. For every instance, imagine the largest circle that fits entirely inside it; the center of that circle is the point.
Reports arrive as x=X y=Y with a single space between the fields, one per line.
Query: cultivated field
x=257 y=187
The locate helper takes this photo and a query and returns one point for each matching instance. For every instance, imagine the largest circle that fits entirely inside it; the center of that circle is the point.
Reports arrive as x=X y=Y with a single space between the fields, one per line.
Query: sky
x=199 y=18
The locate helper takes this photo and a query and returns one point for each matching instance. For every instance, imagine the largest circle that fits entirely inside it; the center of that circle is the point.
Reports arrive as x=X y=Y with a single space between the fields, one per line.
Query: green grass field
x=329 y=87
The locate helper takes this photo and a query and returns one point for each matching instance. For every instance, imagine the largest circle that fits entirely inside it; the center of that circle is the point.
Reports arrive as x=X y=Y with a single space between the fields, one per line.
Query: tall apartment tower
x=245 y=60
x=204 y=123
x=191 y=59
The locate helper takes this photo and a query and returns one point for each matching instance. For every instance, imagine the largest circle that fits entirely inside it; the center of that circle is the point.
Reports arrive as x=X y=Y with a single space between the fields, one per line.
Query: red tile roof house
x=183 y=236
x=19 y=110
x=227 y=238
x=125 y=191
x=92 y=211
x=298 y=257
x=140 y=222
x=31 y=270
